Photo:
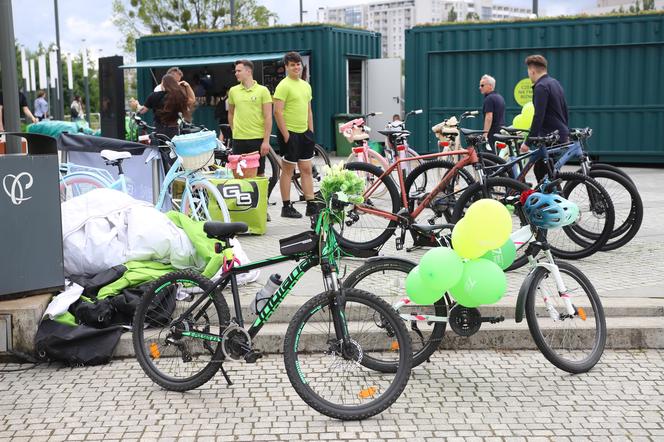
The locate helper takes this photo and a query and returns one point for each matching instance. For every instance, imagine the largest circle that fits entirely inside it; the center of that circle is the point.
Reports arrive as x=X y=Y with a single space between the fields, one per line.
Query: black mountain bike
x=347 y=353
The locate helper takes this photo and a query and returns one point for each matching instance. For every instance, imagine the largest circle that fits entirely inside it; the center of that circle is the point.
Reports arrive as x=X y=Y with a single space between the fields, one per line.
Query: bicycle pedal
x=399 y=243
x=493 y=319
x=252 y=356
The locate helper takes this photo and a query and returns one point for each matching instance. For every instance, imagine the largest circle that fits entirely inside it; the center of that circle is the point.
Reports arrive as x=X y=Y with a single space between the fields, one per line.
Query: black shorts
x=249 y=146
x=300 y=147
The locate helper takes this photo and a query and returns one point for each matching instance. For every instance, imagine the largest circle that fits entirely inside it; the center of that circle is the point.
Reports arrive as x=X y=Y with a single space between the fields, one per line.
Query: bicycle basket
x=196 y=149
x=301 y=243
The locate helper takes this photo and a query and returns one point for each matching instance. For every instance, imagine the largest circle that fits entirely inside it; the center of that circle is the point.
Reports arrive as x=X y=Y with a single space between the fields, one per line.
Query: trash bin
x=343 y=146
x=30 y=225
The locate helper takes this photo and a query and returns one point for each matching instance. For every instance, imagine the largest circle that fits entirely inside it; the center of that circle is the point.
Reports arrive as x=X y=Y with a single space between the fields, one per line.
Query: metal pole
x=59 y=104
x=232 y=12
x=536 y=7
x=301 y=15
x=9 y=78
x=87 y=99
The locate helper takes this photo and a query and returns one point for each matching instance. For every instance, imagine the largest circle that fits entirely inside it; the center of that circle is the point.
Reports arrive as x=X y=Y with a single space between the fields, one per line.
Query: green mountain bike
x=347 y=352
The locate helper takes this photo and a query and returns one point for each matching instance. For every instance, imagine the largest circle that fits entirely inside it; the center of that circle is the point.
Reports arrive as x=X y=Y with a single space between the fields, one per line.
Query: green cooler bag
x=246 y=200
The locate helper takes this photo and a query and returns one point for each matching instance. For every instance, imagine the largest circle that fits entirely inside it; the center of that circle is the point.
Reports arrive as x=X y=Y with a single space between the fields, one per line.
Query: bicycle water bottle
x=270 y=287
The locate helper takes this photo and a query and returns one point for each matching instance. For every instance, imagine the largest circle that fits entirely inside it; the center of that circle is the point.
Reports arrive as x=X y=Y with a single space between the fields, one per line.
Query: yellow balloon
x=519 y=122
x=465 y=243
x=528 y=110
x=489 y=223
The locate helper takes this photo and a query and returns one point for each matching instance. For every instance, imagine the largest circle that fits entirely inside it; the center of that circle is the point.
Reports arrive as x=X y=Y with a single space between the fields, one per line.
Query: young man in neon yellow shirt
x=250 y=114
x=292 y=110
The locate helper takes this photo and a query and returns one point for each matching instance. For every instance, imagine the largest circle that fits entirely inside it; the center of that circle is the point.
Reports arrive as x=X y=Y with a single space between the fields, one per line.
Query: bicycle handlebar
x=546 y=139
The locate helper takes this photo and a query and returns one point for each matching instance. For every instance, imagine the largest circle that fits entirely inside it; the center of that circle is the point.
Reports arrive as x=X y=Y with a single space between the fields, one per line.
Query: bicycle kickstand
x=223 y=371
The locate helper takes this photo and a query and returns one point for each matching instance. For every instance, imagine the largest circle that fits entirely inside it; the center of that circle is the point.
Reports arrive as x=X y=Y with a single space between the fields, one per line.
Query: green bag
x=246 y=199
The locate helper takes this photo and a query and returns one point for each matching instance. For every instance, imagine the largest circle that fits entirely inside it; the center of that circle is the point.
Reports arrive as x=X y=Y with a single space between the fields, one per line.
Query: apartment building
x=392 y=17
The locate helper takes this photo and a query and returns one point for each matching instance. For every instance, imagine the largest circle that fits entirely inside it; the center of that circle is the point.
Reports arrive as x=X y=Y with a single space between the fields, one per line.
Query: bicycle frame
x=469 y=157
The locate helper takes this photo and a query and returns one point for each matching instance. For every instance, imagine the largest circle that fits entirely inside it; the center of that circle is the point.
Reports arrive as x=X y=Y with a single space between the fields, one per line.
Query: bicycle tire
x=449 y=199
x=149 y=314
x=76 y=184
x=602 y=209
x=477 y=191
x=195 y=202
x=275 y=168
x=382 y=265
x=317 y=172
x=533 y=312
x=371 y=174
x=298 y=350
x=610 y=168
x=626 y=225
x=375 y=159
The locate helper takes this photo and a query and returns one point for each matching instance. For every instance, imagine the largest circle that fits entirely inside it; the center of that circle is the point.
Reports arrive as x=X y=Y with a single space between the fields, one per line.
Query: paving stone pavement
x=460 y=395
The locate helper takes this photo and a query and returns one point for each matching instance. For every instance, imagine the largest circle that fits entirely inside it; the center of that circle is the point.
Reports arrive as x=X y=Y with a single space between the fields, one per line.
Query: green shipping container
x=326 y=50
x=610 y=67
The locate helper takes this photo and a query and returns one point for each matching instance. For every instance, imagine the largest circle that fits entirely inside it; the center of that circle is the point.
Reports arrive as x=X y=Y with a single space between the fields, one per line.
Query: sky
x=91 y=20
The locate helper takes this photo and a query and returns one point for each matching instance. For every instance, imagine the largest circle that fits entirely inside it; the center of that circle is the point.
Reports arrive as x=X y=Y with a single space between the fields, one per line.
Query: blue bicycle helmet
x=550 y=210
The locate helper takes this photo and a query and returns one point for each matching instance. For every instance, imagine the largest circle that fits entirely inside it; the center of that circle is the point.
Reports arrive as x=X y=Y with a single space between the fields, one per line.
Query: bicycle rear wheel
x=77 y=184
x=386 y=278
x=573 y=343
x=171 y=358
x=272 y=171
x=340 y=380
x=196 y=203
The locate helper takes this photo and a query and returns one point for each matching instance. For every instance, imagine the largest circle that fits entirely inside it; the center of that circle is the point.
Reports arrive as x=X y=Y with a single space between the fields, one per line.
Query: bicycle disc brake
x=465 y=321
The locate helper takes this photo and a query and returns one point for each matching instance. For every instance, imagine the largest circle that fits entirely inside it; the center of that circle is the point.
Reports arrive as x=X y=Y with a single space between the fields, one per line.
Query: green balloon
x=504 y=256
x=483 y=282
x=440 y=268
x=418 y=291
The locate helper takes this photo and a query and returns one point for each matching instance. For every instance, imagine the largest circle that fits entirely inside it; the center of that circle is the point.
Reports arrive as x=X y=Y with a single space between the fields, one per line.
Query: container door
x=383 y=92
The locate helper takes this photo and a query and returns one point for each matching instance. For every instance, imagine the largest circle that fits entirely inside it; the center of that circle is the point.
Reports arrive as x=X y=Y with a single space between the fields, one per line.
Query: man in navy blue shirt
x=550 y=106
x=493 y=108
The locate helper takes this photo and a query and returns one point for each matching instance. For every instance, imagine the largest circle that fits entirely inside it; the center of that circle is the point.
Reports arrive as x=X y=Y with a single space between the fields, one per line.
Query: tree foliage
x=472 y=16
x=452 y=15
x=141 y=17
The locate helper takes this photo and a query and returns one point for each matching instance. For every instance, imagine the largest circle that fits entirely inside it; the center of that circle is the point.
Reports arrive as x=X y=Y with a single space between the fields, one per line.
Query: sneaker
x=290 y=212
x=313 y=209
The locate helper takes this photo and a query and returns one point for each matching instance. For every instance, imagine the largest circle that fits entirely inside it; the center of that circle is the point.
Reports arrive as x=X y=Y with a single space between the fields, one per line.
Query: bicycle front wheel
x=572 y=342
x=361 y=228
x=386 y=278
x=340 y=380
x=162 y=336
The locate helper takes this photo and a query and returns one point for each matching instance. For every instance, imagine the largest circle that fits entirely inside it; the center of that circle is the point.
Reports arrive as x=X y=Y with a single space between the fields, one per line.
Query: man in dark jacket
x=550 y=106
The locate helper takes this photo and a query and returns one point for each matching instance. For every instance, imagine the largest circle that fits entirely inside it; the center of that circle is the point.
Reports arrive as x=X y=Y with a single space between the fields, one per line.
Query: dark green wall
x=610 y=67
x=328 y=47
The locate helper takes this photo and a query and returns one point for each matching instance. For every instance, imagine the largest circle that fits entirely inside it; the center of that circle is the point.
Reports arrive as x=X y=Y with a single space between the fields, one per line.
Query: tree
x=472 y=16
x=141 y=17
x=635 y=9
x=452 y=15
x=648 y=5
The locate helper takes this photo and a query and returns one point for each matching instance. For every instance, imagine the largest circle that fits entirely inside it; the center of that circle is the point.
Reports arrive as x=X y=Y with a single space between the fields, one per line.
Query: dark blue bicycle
x=627 y=203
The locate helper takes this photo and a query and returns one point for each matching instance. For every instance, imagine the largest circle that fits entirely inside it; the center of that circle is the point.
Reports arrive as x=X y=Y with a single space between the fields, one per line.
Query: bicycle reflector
x=500 y=145
x=154 y=351
x=367 y=393
x=549 y=210
x=443 y=144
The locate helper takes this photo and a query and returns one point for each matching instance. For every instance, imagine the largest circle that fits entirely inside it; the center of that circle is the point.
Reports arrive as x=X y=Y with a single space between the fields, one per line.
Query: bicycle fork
x=562 y=290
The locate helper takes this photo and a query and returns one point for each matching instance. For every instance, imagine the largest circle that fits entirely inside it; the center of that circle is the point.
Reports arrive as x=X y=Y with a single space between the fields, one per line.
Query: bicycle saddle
x=390 y=132
x=114 y=155
x=512 y=129
x=504 y=138
x=223 y=231
x=471 y=131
